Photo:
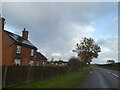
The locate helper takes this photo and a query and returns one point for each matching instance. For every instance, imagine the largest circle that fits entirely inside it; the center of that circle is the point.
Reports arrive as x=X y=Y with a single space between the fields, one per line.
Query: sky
x=55 y=27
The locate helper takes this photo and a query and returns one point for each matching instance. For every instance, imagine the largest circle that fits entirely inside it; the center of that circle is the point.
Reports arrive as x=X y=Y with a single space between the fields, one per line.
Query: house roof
x=40 y=56
x=20 y=40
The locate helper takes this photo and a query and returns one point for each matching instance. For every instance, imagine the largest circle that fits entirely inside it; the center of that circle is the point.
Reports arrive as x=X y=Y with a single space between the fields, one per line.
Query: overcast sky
x=55 y=28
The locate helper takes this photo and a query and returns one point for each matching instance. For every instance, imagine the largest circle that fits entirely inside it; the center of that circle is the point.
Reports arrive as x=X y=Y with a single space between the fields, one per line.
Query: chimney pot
x=25 y=33
x=24 y=29
x=2 y=23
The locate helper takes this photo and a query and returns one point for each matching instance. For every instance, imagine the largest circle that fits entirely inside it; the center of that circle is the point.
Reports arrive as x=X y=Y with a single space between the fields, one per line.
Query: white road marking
x=108 y=72
x=90 y=71
x=115 y=75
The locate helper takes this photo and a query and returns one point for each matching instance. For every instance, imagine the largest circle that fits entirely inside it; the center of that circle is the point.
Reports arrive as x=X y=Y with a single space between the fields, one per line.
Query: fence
x=12 y=75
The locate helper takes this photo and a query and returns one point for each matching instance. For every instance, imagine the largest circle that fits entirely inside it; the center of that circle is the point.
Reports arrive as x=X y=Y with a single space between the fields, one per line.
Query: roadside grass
x=69 y=80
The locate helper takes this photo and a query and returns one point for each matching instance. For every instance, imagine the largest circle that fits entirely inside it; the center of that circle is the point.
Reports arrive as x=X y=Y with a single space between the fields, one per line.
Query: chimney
x=2 y=23
x=25 y=34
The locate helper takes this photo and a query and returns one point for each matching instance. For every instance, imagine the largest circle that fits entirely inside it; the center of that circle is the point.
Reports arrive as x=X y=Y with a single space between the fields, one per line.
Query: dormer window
x=32 y=52
x=18 y=49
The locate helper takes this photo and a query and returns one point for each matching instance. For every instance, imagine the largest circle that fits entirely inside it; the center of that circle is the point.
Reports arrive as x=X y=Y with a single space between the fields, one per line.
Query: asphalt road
x=101 y=78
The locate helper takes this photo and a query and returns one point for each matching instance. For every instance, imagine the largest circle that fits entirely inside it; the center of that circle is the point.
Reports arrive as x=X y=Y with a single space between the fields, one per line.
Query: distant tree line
x=110 y=61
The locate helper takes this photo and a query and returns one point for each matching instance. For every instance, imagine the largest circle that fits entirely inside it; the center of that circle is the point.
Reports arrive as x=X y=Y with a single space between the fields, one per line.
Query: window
x=17 y=62
x=37 y=63
x=32 y=52
x=43 y=62
x=31 y=62
x=18 y=49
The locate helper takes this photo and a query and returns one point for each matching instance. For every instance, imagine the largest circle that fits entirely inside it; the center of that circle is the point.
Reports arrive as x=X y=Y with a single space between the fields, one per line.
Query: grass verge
x=69 y=80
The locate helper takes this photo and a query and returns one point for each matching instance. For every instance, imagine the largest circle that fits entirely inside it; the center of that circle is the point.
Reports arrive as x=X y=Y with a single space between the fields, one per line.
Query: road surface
x=101 y=78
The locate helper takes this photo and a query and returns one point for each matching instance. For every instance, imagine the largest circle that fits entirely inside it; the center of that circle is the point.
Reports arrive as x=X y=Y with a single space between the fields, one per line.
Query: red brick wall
x=7 y=51
x=25 y=56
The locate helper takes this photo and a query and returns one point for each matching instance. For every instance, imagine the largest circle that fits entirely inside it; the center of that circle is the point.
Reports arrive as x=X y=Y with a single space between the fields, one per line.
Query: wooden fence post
x=28 y=75
x=0 y=77
x=5 y=74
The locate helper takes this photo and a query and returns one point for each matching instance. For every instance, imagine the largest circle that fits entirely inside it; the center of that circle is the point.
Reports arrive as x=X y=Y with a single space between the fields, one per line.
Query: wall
x=7 y=51
x=25 y=56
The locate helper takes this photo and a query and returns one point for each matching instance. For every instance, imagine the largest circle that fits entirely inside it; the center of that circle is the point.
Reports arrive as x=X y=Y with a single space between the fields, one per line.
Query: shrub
x=74 y=63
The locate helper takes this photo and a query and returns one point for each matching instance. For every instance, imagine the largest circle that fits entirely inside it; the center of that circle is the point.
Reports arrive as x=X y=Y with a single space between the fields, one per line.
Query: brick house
x=41 y=59
x=16 y=50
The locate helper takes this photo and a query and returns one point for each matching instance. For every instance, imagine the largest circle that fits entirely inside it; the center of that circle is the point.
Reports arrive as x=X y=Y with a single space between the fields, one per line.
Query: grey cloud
x=49 y=24
x=109 y=49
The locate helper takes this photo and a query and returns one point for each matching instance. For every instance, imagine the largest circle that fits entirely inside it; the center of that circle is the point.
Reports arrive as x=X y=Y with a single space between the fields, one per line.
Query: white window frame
x=31 y=62
x=43 y=62
x=18 y=49
x=32 y=52
x=17 y=62
x=37 y=63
